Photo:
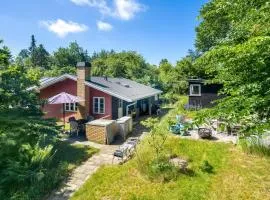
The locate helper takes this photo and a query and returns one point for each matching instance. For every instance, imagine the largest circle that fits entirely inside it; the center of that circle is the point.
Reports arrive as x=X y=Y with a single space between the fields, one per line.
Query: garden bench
x=126 y=150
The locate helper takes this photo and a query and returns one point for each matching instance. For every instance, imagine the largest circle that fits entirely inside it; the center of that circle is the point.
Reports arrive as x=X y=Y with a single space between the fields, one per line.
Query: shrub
x=26 y=142
x=162 y=170
x=206 y=167
x=254 y=144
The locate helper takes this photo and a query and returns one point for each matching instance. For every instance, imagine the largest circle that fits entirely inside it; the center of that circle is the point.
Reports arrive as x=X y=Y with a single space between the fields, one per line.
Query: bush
x=26 y=142
x=254 y=144
x=162 y=170
x=206 y=167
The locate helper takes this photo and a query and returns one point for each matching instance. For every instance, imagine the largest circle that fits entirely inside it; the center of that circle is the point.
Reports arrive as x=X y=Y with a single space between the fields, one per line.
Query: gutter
x=127 y=108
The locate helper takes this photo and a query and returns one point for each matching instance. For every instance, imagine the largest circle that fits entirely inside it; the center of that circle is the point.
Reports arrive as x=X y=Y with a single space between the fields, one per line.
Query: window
x=195 y=90
x=120 y=103
x=99 y=105
x=71 y=107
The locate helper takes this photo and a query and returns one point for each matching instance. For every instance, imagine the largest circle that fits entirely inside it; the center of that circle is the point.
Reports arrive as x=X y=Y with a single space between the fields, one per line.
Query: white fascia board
x=56 y=80
x=147 y=96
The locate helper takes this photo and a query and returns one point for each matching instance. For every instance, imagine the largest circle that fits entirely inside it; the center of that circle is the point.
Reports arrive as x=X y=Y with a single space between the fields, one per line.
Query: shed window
x=195 y=90
x=71 y=107
x=99 y=105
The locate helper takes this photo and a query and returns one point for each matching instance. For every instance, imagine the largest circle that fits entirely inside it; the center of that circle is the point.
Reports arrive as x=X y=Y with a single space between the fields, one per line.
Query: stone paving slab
x=84 y=171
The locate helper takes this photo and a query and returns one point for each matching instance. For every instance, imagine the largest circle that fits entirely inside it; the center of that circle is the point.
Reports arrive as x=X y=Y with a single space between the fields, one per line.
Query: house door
x=120 y=108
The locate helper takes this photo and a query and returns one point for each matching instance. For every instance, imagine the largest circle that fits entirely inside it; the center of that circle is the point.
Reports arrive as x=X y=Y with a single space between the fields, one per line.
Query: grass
x=66 y=158
x=32 y=160
x=233 y=175
x=73 y=155
x=67 y=125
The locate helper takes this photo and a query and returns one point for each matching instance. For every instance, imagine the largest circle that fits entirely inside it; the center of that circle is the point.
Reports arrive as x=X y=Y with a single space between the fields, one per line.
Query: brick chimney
x=83 y=74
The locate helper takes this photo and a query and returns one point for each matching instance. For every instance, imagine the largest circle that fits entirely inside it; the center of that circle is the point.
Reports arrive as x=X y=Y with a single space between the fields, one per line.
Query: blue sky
x=155 y=28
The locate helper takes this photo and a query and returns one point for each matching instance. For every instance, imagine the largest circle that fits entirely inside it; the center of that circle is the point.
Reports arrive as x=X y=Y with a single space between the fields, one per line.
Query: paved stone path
x=85 y=170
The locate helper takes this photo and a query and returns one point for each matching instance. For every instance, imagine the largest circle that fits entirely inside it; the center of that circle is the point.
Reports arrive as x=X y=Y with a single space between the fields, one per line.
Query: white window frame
x=191 y=89
x=68 y=107
x=94 y=98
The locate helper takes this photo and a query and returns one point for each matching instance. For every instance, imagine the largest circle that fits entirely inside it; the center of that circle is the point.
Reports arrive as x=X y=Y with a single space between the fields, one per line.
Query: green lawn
x=235 y=175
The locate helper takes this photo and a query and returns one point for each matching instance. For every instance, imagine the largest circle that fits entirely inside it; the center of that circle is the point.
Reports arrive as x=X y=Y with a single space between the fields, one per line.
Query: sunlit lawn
x=235 y=175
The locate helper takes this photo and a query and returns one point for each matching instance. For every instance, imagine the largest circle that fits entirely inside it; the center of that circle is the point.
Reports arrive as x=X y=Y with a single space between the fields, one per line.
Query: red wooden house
x=104 y=97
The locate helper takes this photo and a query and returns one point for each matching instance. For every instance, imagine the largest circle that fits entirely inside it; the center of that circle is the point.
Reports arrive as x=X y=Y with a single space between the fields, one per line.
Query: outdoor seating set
x=181 y=126
x=126 y=150
x=78 y=126
x=205 y=131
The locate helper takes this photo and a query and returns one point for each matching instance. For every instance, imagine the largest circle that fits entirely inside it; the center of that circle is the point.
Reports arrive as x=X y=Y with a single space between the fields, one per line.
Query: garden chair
x=179 y=127
x=74 y=128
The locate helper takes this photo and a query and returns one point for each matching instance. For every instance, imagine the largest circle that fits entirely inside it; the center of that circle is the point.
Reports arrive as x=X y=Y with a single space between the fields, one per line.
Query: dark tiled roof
x=125 y=87
x=122 y=88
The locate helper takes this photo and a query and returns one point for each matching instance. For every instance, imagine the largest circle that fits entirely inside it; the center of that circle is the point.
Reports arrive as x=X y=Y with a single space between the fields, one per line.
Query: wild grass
x=234 y=175
x=66 y=158
x=254 y=145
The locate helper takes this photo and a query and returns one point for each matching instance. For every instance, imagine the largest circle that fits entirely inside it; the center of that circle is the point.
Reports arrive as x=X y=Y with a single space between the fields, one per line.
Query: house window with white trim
x=71 y=107
x=98 y=105
x=195 y=90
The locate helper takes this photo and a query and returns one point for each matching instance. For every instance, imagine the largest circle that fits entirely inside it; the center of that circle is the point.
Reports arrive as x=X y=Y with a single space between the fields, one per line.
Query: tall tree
x=33 y=45
x=126 y=64
x=239 y=59
x=64 y=60
x=35 y=56
x=5 y=55
x=40 y=57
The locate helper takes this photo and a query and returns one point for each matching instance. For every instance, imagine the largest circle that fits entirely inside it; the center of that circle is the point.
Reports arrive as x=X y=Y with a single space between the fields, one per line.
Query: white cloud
x=81 y=2
x=126 y=9
x=122 y=9
x=101 y=5
x=104 y=26
x=63 y=28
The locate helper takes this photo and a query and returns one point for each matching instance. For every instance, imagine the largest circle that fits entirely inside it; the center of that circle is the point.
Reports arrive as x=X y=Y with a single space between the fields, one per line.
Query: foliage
x=206 y=167
x=255 y=144
x=5 y=55
x=162 y=170
x=237 y=56
x=157 y=136
x=234 y=172
x=30 y=164
x=34 y=57
x=14 y=82
x=127 y=182
x=26 y=149
x=125 y=64
x=64 y=60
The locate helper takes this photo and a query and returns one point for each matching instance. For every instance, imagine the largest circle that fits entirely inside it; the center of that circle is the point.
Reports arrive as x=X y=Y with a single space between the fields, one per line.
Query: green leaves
x=5 y=55
x=239 y=58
